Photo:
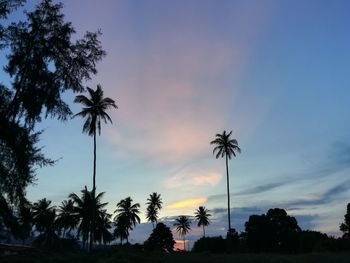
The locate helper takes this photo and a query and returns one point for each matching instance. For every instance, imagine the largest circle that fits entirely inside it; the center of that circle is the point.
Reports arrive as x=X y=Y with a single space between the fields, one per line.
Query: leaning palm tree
x=226 y=147
x=154 y=203
x=94 y=110
x=183 y=226
x=202 y=216
x=128 y=214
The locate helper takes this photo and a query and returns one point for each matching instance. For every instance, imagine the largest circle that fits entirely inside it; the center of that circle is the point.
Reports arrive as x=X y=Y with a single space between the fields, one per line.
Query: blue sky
x=277 y=73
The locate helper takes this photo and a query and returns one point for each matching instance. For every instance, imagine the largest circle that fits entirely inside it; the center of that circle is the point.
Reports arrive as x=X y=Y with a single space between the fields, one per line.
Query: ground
x=135 y=256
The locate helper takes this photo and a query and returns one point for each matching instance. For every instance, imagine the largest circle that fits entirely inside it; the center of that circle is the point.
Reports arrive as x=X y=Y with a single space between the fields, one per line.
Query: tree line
x=43 y=62
x=67 y=225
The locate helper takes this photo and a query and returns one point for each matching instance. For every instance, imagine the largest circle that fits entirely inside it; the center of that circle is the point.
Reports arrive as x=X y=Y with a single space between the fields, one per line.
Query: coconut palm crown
x=183 y=226
x=154 y=205
x=202 y=216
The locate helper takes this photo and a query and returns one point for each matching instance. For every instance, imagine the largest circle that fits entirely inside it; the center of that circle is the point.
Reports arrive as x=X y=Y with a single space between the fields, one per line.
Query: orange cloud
x=188 y=203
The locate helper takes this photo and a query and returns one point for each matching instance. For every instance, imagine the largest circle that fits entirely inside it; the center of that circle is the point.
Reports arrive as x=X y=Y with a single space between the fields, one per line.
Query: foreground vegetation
x=139 y=256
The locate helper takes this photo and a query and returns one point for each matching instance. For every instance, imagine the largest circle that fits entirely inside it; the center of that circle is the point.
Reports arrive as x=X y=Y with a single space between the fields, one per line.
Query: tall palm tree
x=226 y=147
x=94 y=110
x=154 y=203
x=67 y=217
x=128 y=213
x=202 y=216
x=183 y=226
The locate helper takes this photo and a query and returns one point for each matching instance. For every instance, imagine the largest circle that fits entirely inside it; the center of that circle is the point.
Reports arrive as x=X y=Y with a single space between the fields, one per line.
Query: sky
x=276 y=73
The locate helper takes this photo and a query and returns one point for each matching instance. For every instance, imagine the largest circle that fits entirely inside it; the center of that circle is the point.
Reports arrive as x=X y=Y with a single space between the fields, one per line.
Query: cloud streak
x=188 y=203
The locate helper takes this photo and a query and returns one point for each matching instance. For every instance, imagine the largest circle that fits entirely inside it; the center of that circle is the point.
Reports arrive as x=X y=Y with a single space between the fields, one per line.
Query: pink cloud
x=168 y=83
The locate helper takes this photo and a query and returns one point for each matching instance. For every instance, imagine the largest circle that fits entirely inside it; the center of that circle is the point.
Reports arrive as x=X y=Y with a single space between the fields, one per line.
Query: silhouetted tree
x=43 y=215
x=24 y=220
x=94 y=111
x=128 y=214
x=42 y=62
x=103 y=225
x=67 y=216
x=8 y=222
x=226 y=147
x=161 y=239
x=183 y=226
x=309 y=241
x=44 y=218
x=154 y=205
x=275 y=231
x=210 y=244
x=121 y=229
x=345 y=227
x=202 y=216
x=6 y=7
x=84 y=207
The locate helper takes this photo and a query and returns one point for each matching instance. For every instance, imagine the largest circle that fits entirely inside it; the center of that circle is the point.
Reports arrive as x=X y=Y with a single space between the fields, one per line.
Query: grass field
x=133 y=256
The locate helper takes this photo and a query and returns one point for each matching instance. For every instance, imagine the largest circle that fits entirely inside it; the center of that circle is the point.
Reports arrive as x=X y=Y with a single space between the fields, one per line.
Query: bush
x=210 y=244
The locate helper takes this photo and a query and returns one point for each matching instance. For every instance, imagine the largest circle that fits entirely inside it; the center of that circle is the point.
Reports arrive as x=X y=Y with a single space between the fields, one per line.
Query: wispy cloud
x=196 y=175
x=188 y=203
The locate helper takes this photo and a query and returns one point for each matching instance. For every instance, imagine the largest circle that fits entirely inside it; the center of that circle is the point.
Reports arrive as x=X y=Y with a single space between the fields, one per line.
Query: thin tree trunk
x=184 y=244
x=93 y=198
x=228 y=195
x=203 y=231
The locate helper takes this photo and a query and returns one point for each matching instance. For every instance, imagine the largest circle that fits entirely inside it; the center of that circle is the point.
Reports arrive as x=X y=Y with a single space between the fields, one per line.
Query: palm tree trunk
x=228 y=195
x=93 y=197
x=203 y=231
x=184 y=244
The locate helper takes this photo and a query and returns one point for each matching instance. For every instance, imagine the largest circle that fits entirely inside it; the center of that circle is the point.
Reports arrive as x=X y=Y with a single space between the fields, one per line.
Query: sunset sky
x=277 y=73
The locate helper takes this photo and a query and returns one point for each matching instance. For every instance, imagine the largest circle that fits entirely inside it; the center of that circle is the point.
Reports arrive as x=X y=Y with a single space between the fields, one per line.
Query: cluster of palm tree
x=94 y=110
x=87 y=214
x=183 y=223
x=226 y=147
x=73 y=218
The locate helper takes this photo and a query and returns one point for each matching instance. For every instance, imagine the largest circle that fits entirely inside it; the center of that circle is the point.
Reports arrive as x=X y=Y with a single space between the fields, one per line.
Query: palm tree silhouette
x=154 y=203
x=202 y=215
x=84 y=207
x=94 y=110
x=128 y=214
x=67 y=218
x=121 y=229
x=42 y=215
x=225 y=146
x=183 y=226
x=44 y=218
x=103 y=225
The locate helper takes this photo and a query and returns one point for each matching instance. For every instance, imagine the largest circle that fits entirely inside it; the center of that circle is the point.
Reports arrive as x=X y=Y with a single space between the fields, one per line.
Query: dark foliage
x=309 y=241
x=345 y=227
x=275 y=231
x=210 y=244
x=43 y=62
x=6 y=7
x=161 y=239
